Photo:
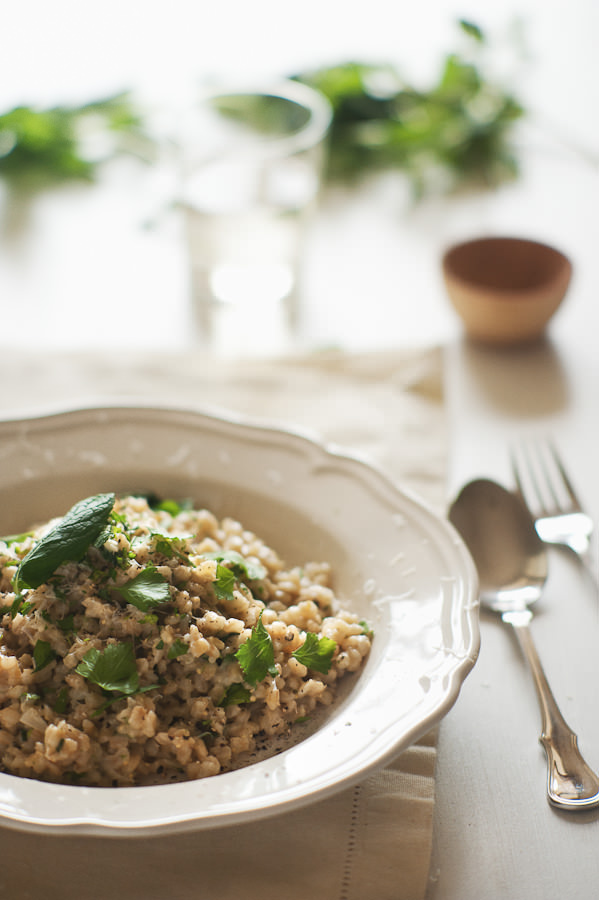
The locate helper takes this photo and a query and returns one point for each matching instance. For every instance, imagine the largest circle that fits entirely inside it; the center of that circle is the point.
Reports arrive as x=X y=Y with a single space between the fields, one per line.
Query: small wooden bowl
x=505 y=289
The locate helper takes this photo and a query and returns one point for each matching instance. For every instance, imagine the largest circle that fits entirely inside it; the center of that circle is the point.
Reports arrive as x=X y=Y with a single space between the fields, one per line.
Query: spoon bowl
x=512 y=567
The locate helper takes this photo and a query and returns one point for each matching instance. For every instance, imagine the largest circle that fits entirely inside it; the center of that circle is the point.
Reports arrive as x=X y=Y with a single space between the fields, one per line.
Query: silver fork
x=545 y=487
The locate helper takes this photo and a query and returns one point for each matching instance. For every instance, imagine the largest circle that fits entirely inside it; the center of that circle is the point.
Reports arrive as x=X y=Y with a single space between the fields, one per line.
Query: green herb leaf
x=171 y=546
x=62 y=701
x=316 y=653
x=67 y=541
x=43 y=654
x=473 y=30
x=460 y=126
x=235 y=694
x=256 y=656
x=41 y=146
x=241 y=566
x=15 y=538
x=67 y=624
x=174 y=507
x=146 y=590
x=225 y=583
x=365 y=627
x=177 y=648
x=112 y=669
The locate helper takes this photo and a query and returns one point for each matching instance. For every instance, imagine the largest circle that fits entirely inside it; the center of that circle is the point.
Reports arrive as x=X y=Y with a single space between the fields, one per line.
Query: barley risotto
x=146 y=642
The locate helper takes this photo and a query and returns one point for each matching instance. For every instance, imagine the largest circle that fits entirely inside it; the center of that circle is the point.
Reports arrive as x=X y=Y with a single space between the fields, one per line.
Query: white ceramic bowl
x=397 y=564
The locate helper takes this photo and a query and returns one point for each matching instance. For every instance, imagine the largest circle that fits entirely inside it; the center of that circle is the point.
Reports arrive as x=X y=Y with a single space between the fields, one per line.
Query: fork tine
x=576 y=505
x=524 y=470
x=545 y=487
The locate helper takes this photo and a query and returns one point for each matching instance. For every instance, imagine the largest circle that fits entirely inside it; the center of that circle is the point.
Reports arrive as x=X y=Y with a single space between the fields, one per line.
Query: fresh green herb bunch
x=48 y=145
x=460 y=127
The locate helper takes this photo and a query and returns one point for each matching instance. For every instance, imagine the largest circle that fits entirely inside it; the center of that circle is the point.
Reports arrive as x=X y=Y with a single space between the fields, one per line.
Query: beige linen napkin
x=368 y=842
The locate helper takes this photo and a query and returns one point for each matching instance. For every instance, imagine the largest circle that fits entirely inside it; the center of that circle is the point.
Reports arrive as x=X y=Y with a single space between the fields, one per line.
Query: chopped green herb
x=142 y=690
x=43 y=654
x=67 y=624
x=112 y=669
x=257 y=656
x=62 y=701
x=146 y=590
x=17 y=604
x=160 y=645
x=174 y=507
x=238 y=564
x=316 y=653
x=67 y=541
x=235 y=694
x=30 y=697
x=177 y=648
x=16 y=538
x=225 y=583
x=171 y=546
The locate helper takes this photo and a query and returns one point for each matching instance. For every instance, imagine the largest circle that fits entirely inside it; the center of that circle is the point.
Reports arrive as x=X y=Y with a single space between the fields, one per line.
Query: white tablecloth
x=369 y=842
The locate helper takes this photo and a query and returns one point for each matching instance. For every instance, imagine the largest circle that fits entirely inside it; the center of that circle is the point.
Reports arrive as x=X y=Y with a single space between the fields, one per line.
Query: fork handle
x=571 y=783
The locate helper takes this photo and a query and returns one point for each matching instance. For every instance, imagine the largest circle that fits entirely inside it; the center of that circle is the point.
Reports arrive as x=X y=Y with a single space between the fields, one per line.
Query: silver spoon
x=512 y=568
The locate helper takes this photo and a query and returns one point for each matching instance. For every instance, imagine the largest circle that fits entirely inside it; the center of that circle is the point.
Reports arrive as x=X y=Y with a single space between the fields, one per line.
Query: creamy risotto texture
x=145 y=643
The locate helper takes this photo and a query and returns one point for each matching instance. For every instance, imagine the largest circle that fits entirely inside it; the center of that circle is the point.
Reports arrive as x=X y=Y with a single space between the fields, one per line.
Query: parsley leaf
x=112 y=669
x=173 y=507
x=241 y=566
x=146 y=590
x=224 y=584
x=67 y=624
x=177 y=648
x=316 y=653
x=9 y=539
x=67 y=541
x=170 y=546
x=256 y=656
x=43 y=654
x=235 y=694
x=62 y=701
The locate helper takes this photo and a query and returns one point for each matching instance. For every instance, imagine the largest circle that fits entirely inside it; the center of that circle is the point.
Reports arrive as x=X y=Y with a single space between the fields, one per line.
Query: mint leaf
x=146 y=590
x=316 y=653
x=43 y=654
x=238 y=564
x=67 y=541
x=177 y=648
x=235 y=694
x=112 y=669
x=256 y=656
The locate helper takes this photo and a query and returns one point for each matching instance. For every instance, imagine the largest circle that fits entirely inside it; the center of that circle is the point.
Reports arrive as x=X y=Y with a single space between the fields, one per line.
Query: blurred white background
x=106 y=266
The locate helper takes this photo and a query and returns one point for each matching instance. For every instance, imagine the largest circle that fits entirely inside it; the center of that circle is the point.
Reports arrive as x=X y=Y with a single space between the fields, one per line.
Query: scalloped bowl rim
x=413 y=578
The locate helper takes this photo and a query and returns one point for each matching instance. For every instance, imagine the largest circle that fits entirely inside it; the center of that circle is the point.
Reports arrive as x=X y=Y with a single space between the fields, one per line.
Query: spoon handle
x=571 y=784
